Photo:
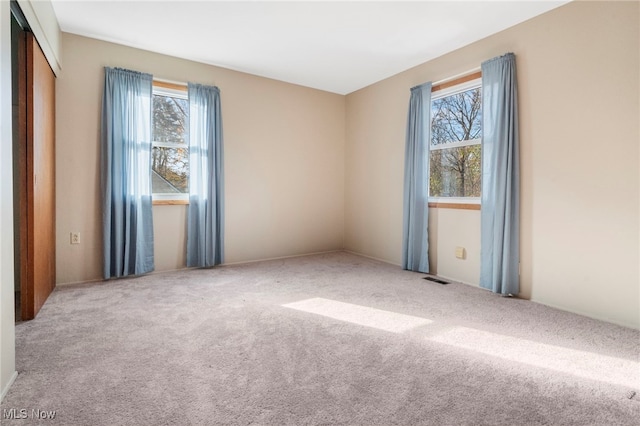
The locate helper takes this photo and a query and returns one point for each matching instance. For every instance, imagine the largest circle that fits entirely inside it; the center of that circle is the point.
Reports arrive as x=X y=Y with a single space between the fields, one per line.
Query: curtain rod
x=164 y=80
x=453 y=77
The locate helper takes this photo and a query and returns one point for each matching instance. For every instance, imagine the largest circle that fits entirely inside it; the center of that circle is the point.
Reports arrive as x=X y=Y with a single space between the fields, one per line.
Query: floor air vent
x=436 y=280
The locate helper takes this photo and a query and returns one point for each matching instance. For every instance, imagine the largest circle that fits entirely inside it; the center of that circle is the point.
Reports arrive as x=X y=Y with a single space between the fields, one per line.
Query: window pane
x=455 y=172
x=170 y=170
x=456 y=117
x=170 y=119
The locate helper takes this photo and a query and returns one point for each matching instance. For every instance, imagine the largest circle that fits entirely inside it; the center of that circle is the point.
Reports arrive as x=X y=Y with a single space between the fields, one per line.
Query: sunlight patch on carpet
x=360 y=315
x=583 y=364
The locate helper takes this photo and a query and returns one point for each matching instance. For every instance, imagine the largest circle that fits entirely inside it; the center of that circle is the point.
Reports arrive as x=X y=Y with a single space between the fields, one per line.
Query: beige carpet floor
x=324 y=339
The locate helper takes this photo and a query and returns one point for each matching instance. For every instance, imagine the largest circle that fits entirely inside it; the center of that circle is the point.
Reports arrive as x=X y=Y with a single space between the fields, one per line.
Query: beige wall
x=578 y=81
x=284 y=162
x=449 y=229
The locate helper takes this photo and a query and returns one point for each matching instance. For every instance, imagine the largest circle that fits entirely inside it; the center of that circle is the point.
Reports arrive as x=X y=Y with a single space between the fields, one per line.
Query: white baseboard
x=377 y=259
x=186 y=268
x=243 y=262
x=97 y=280
x=8 y=386
x=457 y=280
x=588 y=315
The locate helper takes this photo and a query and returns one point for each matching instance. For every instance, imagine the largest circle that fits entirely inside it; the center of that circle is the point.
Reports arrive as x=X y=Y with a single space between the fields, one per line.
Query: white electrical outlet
x=75 y=238
x=460 y=252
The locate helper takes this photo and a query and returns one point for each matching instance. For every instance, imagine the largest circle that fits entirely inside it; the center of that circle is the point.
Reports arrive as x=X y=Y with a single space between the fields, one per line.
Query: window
x=170 y=150
x=455 y=146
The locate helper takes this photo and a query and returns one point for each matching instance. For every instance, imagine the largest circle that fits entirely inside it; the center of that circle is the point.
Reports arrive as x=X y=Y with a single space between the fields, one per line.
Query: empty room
x=305 y=213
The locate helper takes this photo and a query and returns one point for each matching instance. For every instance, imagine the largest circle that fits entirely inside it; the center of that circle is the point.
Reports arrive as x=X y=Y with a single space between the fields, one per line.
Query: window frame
x=177 y=91
x=459 y=85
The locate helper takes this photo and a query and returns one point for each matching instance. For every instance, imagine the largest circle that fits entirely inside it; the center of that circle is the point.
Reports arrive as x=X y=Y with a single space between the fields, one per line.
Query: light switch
x=460 y=252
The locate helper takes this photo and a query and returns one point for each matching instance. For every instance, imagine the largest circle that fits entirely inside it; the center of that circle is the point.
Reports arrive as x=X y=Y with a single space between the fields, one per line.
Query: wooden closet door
x=40 y=181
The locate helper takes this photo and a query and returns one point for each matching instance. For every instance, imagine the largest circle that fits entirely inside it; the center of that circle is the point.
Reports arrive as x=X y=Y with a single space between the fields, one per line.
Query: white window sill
x=459 y=203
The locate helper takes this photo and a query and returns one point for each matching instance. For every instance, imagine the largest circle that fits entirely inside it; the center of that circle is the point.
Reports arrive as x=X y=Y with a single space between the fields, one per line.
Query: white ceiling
x=339 y=47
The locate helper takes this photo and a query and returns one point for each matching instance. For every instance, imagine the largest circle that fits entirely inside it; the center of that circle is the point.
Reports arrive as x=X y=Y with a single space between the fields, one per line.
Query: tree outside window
x=170 y=154
x=455 y=151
